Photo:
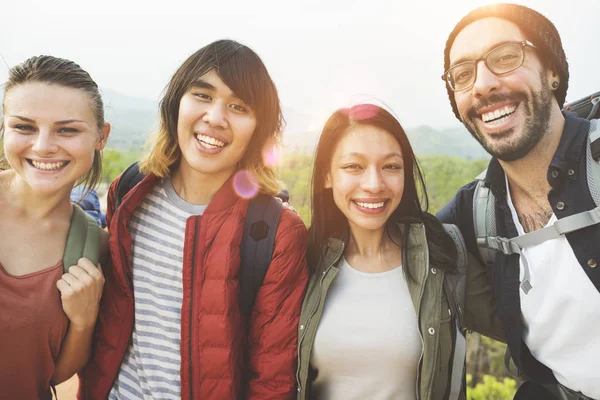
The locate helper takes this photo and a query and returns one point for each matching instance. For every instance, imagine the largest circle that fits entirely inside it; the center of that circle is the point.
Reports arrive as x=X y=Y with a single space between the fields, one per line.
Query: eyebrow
x=464 y=59
x=202 y=84
x=360 y=155
x=65 y=122
x=22 y=118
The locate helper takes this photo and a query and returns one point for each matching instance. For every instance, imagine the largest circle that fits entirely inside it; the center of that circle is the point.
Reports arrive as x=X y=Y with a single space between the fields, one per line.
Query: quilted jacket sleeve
x=273 y=334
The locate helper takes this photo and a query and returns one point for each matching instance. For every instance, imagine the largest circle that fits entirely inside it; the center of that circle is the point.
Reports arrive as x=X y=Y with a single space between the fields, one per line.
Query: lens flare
x=363 y=111
x=271 y=155
x=245 y=184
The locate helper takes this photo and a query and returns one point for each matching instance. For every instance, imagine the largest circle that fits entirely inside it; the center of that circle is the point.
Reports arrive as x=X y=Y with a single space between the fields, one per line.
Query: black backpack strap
x=260 y=228
x=129 y=178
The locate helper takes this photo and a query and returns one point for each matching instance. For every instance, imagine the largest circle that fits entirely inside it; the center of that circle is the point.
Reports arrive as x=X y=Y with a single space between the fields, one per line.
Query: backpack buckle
x=504 y=245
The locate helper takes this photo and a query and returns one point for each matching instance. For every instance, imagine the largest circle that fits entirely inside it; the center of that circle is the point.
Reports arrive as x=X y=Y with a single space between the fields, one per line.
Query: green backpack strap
x=83 y=239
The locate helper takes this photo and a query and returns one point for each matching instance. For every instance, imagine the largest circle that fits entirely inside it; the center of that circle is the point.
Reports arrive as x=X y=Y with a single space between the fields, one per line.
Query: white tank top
x=367 y=344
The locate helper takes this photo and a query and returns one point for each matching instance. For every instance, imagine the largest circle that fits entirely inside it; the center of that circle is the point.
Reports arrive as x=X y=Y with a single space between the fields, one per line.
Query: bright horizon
x=322 y=55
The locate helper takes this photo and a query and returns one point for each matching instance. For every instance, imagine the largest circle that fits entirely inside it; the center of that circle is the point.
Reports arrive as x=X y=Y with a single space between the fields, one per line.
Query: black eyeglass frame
x=522 y=43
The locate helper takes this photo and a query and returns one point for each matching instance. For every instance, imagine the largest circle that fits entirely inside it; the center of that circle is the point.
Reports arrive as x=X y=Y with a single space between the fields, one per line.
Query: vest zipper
x=191 y=383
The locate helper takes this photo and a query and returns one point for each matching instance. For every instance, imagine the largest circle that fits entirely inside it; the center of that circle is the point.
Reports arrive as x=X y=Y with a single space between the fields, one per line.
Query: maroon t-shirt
x=32 y=328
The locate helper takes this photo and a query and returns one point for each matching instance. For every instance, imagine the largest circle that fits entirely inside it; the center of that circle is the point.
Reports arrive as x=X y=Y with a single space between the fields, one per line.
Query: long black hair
x=328 y=221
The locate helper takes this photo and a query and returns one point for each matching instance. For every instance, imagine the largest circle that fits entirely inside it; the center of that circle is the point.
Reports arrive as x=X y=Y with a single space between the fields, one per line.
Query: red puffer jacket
x=212 y=335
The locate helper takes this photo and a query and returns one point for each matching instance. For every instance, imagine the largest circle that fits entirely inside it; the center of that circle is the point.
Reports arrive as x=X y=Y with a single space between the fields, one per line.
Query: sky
x=322 y=54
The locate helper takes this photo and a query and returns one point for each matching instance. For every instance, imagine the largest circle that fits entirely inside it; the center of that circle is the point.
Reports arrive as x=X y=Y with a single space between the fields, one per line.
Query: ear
x=328 y=180
x=553 y=79
x=104 y=133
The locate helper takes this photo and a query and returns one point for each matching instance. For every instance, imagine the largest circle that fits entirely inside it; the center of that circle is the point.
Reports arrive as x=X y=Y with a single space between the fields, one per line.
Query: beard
x=537 y=108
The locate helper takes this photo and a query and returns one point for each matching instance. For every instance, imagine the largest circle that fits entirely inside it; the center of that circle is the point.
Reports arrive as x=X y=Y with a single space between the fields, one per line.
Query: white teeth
x=48 y=166
x=209 y=142
x=504 y=111
x=370 y=205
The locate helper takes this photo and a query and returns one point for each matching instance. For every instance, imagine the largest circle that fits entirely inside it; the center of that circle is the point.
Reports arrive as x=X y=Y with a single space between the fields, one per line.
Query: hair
x=327 y=219
x=59 y=71
x=241 y=69
x=538 y=29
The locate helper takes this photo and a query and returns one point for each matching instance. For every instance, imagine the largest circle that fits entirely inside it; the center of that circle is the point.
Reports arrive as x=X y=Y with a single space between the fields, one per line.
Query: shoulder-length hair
x=241 y=69
x=327 y=219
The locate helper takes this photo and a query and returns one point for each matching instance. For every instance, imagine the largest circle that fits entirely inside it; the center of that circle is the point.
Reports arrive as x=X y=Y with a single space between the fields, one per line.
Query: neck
x=33 y=204
x=197 y=187
x=528 y=175
x=370 y=244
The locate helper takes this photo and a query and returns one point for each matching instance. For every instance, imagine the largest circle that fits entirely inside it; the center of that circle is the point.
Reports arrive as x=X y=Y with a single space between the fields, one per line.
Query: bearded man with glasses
x=507 y=76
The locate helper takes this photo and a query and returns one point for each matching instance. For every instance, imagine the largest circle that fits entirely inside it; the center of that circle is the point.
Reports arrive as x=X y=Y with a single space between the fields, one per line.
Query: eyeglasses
x=500 y=60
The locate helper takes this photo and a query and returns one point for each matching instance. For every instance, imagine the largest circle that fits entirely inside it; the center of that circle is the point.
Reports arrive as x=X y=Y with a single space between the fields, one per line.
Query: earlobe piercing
x=554 y=85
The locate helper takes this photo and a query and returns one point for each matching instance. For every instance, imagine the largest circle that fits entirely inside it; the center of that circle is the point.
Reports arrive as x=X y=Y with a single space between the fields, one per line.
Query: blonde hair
x=244 y=73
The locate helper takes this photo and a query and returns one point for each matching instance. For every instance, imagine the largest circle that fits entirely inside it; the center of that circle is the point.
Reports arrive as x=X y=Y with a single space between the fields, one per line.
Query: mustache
x=495 y=98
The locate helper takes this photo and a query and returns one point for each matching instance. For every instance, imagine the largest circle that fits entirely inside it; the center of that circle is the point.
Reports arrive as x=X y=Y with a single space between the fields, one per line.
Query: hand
x=287 y=205
x=80 y=292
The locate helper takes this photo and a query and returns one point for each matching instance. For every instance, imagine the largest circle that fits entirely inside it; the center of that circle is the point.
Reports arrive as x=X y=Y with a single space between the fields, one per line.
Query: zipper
x=130 y=284
x=124 y=258
x=419 y=363
x=303 y=333
x=421 y=292
x=192 y=307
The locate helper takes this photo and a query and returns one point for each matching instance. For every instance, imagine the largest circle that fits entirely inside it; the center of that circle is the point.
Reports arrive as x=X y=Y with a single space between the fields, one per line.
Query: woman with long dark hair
x=375 y=321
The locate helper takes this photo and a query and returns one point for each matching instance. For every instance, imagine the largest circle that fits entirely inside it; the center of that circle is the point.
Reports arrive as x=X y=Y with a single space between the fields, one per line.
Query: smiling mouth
x=372 y=206
x=44 y=166
x=210 y=143
x=499 y=116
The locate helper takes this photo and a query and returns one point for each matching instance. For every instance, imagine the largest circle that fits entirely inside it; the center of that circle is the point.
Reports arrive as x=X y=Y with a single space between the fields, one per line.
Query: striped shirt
x=151 y=366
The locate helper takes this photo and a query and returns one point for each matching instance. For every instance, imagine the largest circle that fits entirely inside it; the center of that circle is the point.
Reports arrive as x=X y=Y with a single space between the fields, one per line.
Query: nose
x=485 y=81
x=215 y=115
x=45 y=143
x=372 y=181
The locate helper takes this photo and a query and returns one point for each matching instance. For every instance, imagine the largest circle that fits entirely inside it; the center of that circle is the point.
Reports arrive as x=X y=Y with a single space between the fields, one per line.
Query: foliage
x=115 y=161
x=491 y=389
x=445 y=175
x=295 y=172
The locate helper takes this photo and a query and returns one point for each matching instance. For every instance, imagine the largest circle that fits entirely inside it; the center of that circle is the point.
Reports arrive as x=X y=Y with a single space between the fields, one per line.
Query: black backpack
x=260 y=227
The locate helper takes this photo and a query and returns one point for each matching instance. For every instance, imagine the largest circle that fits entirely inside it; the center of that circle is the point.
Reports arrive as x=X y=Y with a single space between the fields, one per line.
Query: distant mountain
x=455 y=141
x=132 y=119
x=425 y=140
